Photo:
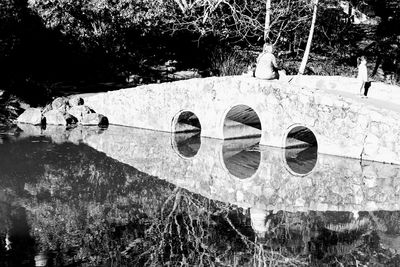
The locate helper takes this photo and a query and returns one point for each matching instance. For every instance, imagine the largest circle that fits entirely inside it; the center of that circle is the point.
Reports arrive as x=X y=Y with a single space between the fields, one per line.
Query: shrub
x=227 y=62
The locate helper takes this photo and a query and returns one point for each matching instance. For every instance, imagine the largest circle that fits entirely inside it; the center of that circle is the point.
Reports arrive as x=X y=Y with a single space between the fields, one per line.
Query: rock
x=75 y=101
x=31 y=116
x=24 y=105
x=70 y=119
x=56 y=117
x=94 y=119
x=47 y=108
x=133 y=78
x=79 y=111
x=185 y=74
x=60 y=103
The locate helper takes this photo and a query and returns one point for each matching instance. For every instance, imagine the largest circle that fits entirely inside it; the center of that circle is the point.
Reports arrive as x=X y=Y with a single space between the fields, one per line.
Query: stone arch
x=186 y=130
x=241 y=121
x=300 y=150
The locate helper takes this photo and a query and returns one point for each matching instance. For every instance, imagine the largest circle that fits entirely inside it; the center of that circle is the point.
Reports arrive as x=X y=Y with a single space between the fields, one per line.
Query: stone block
x=60 y=103
x=56 y=117
x=79 y=112
x=94 y=119
x=75 y=101
x=31 y=116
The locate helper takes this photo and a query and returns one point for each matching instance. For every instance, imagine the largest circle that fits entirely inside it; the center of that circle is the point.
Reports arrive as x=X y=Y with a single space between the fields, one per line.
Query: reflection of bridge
x=232 y=107
x=215 y=169
x=245 y=174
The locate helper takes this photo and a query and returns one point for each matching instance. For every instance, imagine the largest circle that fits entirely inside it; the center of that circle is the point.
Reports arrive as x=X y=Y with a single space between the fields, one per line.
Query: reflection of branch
x=188 y=233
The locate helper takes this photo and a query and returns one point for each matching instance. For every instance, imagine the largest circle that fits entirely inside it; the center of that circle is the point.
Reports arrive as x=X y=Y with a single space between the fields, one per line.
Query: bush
x=228 y=63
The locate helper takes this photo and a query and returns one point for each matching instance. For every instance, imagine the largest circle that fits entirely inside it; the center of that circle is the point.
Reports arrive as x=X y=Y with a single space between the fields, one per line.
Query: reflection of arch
x=241 y=157
x=185 y=121
x=301 y=150
x=186 y=130
x=241 y=121
x=186 y=144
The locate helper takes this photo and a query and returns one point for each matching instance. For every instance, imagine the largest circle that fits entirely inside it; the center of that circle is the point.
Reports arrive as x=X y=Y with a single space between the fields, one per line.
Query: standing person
x=266 y=64
x=363 y=76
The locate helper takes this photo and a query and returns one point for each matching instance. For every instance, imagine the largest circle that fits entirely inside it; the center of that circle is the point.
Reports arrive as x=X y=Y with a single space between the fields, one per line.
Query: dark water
x=128 y=197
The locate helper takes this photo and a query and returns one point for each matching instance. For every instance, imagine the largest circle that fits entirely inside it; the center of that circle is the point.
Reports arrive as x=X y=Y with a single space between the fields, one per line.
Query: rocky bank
x=65 y=111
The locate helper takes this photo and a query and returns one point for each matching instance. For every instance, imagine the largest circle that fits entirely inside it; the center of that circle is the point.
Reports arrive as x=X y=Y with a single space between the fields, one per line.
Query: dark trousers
x=367 y=85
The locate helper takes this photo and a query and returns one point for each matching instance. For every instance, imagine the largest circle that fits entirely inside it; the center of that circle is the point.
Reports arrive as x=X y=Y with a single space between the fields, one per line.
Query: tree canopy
x=43 y=40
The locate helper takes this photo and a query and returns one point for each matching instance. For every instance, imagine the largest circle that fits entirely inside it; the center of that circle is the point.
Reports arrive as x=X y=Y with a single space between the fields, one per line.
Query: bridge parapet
x=342 y=124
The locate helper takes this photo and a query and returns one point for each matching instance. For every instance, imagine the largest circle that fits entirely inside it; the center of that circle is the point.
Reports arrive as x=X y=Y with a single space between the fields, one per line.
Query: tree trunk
x=267 y=20
x=182 y=5
x=310 y=36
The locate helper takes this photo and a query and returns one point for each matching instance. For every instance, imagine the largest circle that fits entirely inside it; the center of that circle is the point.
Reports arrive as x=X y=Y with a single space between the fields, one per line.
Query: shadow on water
x=124 y=197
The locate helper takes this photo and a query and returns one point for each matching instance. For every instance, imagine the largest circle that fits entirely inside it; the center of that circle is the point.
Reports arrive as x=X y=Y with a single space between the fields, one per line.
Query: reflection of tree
x=169 y=228
x=193 y=230
x=85 y=207
x=333 y=238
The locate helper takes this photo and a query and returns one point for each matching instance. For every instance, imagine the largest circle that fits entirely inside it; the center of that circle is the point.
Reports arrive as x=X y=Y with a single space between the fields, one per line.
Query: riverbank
x=10 y=108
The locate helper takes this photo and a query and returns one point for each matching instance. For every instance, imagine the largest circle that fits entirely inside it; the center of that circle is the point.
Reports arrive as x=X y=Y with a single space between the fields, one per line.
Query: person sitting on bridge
x=266 y=64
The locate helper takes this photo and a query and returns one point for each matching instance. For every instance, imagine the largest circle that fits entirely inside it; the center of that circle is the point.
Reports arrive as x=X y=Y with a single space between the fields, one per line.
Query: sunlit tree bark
x=309 y=41
x=267 y=20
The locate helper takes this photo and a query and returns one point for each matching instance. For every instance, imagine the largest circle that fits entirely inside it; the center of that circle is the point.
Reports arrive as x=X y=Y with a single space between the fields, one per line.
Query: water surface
x=129 y=197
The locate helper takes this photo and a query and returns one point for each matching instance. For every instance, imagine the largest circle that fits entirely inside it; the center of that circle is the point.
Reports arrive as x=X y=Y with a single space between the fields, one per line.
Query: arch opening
x=301 y=150
x=241 y=121
x=186 y=137
x=187 y=121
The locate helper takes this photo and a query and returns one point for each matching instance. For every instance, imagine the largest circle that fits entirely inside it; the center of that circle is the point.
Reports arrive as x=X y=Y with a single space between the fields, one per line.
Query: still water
x=129 y=197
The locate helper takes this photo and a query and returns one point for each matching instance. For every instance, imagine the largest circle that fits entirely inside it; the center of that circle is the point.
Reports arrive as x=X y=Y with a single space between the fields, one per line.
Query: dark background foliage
x=62 y=46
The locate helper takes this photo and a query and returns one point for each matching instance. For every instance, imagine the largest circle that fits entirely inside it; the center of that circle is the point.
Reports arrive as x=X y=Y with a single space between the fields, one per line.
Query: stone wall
x=342 y=124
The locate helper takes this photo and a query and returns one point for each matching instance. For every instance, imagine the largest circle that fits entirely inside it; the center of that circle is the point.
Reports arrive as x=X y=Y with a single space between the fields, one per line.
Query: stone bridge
x=326 y=112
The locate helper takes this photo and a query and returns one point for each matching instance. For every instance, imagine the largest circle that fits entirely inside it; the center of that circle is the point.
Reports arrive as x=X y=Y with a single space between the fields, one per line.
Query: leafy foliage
x=44 y=42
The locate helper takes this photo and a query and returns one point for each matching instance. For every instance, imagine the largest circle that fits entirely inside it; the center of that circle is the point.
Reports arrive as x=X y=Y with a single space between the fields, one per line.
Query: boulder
x=31 y=116
x=94 y=119
x=79 y=112
x=75 y=101
x=47 y=108
x=60 y=104
x=56 y=117
x=70 y=119
x=184 y=74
